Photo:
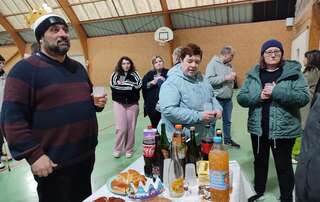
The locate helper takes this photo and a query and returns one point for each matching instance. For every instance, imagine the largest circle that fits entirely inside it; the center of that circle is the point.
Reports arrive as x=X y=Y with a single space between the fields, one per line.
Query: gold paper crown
x=33 y=15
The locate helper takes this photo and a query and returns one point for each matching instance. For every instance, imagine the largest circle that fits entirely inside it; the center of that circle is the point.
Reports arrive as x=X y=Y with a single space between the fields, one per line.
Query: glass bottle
x=176 y=178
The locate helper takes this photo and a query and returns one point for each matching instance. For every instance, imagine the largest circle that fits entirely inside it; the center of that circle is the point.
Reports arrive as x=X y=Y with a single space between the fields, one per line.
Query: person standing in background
x=221 y=76
x=125 y=86
x=312 y=74
x=176 y=58
x=151 y=84
x=307 y=172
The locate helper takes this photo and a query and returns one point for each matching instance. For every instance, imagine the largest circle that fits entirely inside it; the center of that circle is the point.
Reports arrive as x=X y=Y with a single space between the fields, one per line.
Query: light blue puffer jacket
x=182 y=100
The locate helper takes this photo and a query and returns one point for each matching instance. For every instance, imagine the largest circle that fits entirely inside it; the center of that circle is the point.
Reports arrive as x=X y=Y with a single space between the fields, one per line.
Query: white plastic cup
x=191 y=178
x=98 y=91
x=166 y=164
x=268 y=85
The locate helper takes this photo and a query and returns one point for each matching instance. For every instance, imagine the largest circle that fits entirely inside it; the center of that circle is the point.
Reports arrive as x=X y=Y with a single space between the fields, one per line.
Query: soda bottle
x=176 y=179
x=157 y=161
x=164 y=143
x=206 y=143
x=219 y=172
x=148 y=150
x=193 y=152
x=179 y=136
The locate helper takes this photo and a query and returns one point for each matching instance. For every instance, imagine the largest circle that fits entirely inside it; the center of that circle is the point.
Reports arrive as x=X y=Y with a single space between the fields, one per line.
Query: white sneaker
x=116 y=154
x=129 y=155
x=2 y=166
x=294 y=161
x=4 y=158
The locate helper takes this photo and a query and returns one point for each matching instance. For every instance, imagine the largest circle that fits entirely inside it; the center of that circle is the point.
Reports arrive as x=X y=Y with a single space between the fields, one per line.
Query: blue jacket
x=182 y=99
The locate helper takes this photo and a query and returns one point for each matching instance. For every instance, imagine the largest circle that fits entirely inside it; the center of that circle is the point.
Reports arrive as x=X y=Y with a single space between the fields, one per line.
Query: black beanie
x=271 y=43
x=42 y=24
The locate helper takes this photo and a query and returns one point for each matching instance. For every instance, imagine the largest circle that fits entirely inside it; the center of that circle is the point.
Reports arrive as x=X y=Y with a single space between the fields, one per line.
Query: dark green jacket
x=289 y=94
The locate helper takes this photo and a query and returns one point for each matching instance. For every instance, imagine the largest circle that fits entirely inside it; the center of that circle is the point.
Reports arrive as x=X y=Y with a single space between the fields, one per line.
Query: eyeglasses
x=270 y=53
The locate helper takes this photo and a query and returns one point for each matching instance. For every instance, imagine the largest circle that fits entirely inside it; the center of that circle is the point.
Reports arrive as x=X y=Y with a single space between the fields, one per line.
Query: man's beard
x=58 y=49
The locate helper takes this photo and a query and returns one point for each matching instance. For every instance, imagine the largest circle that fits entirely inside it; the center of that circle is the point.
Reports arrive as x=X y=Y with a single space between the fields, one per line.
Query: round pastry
x=120 y=185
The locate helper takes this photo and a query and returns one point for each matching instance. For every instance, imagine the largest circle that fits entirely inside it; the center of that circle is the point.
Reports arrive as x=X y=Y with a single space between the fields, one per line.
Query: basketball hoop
x=163 y=35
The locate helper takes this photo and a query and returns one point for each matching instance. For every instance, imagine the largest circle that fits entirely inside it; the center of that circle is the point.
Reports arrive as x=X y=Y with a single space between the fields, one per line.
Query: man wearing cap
x=221 y=76
x=274 y=91
x=49 y=116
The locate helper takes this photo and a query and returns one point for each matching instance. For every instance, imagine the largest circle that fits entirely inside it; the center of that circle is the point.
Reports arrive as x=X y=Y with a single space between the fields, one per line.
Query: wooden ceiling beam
x=166 y=15
x=77 y=26
x=168 y=23
x=20 y=43
x=176 y=10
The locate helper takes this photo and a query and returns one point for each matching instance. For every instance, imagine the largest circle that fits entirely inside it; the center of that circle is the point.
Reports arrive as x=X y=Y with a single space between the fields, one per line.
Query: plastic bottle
x=219 y=172
x=148 y=150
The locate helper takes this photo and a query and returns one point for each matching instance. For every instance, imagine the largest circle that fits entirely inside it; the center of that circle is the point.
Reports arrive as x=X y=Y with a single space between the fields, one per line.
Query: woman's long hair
x=119 y=69
x=313 y=60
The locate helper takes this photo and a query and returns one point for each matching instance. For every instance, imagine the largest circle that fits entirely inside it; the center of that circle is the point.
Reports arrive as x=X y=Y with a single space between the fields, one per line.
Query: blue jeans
x=227 y=106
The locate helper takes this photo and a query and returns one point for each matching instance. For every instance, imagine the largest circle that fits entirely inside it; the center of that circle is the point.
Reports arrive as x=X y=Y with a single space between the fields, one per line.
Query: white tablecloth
x=241 y=191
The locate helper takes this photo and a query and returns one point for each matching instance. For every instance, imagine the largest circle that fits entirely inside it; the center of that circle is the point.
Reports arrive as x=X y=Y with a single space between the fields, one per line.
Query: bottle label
x=219 y=180
x=148 y=150
x=206 y=147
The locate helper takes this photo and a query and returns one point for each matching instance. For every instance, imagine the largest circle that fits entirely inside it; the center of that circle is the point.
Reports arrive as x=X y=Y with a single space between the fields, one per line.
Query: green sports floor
x=19 y=186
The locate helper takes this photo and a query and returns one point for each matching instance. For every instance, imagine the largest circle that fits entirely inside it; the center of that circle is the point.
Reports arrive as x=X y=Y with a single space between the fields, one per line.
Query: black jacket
x=125 y=88
x=308 y=168
x=151 y=93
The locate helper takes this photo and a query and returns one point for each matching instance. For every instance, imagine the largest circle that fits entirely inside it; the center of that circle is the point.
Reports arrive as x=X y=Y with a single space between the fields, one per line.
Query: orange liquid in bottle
x=219 y=174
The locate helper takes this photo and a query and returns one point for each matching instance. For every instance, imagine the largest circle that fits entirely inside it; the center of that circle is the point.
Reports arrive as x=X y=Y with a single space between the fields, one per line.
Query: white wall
x=300 y=46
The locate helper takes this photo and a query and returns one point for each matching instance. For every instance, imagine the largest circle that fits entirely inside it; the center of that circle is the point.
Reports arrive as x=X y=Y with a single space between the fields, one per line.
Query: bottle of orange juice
x=219 y=172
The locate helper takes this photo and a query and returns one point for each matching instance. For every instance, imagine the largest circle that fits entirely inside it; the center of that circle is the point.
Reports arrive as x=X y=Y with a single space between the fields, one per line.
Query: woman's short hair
x=191 y=49
x=226 y=50
x=118 y=67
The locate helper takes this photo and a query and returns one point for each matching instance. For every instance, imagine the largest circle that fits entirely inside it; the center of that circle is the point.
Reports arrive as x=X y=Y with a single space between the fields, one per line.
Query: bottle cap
x=192 y=128
x=217 y=139
x=178 y=126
